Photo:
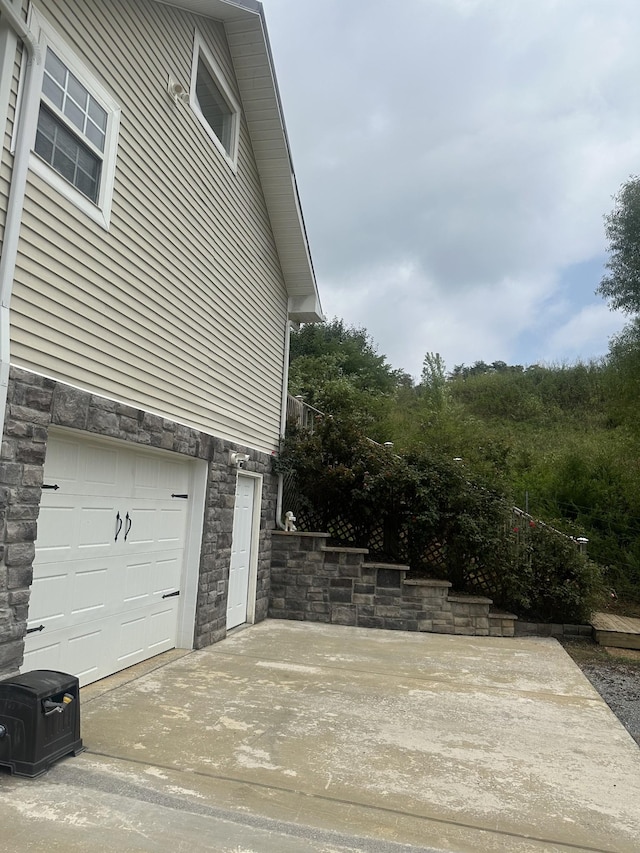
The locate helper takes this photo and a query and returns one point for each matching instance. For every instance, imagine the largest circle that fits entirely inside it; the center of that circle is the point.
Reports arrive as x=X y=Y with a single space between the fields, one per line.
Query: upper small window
x=77 y=130
x=213 y=101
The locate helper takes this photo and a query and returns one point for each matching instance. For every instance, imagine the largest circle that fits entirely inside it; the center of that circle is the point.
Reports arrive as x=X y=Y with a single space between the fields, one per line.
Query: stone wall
x=552 y=629
x=318 y=583
x=34 y=404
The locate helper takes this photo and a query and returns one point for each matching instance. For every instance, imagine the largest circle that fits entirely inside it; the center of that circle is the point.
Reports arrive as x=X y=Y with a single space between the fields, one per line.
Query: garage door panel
x=55 y=525
x=132 y=639
x=146 y=474
x=83 y=589
x=173 y=477
x=156 y=526
x=49 y=599
x=96 y=528
x=155 y=475
x=170 y=522
x=63 y=461
x=101 y=466
x=166 y=577
x=141 y=528
x=101 y=598
x=75 y=650
x=89 y=592
x=84 y=468
x=82 y=652
x=44 y=656
x=70 y=526
x=160 y=480
x=137 y=580
x=75 y=587
x=160 y=629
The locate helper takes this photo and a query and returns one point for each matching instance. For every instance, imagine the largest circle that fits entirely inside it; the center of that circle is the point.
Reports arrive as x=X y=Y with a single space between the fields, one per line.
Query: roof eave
x=305 y=309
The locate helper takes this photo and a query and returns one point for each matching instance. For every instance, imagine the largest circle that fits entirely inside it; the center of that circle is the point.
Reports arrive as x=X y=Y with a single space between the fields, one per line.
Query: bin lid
x=39 y=682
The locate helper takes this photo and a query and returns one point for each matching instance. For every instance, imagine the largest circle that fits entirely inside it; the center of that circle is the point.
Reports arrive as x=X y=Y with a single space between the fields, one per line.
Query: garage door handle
x=129 y=521
x=118 y=526
x=172 y=594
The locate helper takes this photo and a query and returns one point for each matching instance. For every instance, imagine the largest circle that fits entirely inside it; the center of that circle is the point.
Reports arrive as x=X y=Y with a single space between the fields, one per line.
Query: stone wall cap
x=279 y=532
x=427 y=582
x=499 y=614
x=342 y=550
x=386 y=566
x=470 y=599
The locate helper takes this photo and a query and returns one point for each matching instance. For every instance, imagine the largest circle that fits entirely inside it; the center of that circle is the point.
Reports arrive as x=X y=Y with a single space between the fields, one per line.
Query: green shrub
x=549 y=580
x=407 y=506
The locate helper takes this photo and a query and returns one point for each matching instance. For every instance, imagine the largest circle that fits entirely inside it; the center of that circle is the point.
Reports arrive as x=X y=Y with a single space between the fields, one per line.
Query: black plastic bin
x=39 y=720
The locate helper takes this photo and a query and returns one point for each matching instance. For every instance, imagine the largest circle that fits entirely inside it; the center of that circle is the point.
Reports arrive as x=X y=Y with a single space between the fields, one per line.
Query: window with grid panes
x=76 y=143
x=72 y=128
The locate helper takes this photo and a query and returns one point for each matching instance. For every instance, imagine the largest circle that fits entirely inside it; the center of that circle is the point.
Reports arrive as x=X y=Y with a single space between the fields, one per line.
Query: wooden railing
x=301 y=414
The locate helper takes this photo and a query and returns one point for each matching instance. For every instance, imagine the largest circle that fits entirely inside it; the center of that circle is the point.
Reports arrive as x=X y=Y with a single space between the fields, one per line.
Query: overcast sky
x=455 y=159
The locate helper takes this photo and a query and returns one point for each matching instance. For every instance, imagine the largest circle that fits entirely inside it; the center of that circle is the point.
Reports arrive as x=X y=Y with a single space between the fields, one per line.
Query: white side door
x=240 y=566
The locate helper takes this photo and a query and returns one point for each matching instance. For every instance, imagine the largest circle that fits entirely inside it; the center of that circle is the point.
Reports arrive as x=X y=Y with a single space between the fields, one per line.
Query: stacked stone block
x=36 y=403
x=552 y=629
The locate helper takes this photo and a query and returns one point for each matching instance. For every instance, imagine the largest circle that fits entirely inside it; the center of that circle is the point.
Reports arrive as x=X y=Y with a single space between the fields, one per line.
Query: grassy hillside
x=561 y=441
x=551 y=438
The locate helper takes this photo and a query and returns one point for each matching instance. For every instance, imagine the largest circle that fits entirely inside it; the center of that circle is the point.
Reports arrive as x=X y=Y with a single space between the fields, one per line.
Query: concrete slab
x=295 y=736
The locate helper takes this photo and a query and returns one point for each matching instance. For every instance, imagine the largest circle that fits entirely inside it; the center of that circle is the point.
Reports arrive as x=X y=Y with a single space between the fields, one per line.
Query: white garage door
x=109 y=555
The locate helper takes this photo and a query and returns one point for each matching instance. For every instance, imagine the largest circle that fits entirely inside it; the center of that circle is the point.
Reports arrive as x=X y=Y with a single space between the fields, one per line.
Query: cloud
x=458 y=157
x=408 y=315
x=582 y=335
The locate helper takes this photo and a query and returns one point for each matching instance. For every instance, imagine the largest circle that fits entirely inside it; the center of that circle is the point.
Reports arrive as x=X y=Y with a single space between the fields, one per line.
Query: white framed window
x=76 y=139
x=213 y=101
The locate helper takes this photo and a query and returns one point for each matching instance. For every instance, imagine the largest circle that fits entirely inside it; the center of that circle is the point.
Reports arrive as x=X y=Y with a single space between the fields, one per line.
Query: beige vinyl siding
x=6 y=162
x=180 y=308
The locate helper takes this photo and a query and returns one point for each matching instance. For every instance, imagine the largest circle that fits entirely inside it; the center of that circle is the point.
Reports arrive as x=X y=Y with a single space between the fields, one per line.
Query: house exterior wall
x=35 y=404
x=165 y=330
x=180 y=307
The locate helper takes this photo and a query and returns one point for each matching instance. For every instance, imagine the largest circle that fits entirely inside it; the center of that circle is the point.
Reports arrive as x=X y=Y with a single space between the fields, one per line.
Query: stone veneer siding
x=314 y=582
x=34 y=404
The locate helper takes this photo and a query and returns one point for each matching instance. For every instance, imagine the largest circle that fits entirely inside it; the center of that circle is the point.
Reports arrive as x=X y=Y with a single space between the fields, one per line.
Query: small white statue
x=289 y=518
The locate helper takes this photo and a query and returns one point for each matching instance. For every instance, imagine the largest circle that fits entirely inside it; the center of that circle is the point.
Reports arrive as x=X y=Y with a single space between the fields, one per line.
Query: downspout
x=283 y=415
x=20 y=28
x=26 y=124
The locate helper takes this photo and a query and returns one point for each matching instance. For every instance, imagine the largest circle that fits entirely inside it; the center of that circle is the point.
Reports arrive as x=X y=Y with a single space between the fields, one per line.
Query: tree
x=621 y=286
x=434 y=379
x=335 y=351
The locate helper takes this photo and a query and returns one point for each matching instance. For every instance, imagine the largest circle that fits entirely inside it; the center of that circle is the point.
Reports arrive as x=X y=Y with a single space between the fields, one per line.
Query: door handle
x=129 y=522
x=172 y=594
x=118 y=526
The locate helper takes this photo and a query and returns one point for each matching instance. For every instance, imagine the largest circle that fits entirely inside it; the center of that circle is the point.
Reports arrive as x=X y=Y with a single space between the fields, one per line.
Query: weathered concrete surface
x=291 y=736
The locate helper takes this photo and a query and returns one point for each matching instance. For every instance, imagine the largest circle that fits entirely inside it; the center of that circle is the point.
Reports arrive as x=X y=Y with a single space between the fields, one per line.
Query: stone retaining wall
x=552 y=629
x=318 y=583
x=36 y=403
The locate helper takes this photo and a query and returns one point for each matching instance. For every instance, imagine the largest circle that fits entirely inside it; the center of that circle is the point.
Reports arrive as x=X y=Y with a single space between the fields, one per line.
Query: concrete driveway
x=300 y=737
